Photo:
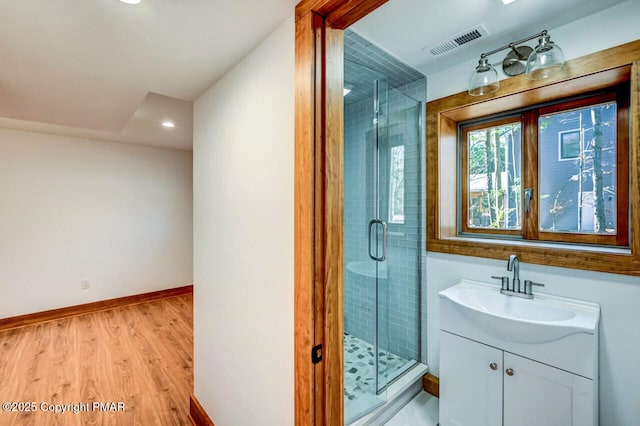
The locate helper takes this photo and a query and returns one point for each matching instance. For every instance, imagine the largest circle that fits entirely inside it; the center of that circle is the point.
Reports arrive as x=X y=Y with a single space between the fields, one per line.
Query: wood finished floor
x=141 y=355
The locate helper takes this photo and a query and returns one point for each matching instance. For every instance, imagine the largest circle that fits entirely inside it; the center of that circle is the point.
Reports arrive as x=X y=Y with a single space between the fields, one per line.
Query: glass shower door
x=365 y=242
x=400 y=167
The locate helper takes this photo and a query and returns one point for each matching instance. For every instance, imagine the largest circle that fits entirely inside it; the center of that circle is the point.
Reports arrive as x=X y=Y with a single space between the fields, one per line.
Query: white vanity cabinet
x=481 y=385
x=470 y=389
x=539 y=395
x=506 y=361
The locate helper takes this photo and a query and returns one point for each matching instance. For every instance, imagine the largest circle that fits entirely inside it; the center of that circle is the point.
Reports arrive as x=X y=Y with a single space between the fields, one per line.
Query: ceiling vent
x=457 y=40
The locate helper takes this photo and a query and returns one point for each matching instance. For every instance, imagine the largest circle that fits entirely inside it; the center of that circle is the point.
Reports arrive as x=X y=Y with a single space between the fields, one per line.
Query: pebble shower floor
x=359 y=366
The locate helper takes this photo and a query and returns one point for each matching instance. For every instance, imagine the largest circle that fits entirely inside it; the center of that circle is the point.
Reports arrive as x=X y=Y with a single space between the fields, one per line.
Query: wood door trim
x=304 y=218
x=318 y=204
x=88 y=308
x=339 y=13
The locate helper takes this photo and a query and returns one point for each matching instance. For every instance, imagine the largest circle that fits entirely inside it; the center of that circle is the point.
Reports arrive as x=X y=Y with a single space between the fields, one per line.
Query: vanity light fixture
x=168 y=124
x=537 y=64
x=545 y=60
x=484 y=79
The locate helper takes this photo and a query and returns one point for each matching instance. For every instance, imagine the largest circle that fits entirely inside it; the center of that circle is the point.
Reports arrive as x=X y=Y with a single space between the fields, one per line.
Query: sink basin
x=494 y=303
x=542 y=319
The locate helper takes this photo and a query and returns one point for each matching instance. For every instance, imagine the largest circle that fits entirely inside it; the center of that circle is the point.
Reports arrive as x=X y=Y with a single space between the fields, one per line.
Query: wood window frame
x=586 y=74
x=464 y=177
x=618 y=94
x=530 y=116
x=318 y=206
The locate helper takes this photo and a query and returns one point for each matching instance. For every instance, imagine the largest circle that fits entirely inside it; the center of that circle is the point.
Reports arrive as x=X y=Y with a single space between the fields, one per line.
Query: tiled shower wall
x=399 y=290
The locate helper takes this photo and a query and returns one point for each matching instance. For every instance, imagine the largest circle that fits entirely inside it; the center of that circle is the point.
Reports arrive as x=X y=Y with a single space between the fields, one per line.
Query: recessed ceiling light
x=136 y=1
x=168 y=124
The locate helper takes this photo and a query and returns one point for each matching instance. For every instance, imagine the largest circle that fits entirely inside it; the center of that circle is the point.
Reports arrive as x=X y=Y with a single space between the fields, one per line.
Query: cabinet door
x=470 y=389
x=539 y=395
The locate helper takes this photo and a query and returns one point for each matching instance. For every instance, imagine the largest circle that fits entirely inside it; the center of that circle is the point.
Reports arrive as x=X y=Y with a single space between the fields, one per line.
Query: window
x=491 y=177
x=580 y=78
x=570 y=144
x=396 y=184
x=575 y=189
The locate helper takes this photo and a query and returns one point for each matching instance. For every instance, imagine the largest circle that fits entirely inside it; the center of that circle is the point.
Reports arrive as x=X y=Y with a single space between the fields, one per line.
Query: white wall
x=618 y=295
x=610 y=27
x=243 y=239
x=72 y=209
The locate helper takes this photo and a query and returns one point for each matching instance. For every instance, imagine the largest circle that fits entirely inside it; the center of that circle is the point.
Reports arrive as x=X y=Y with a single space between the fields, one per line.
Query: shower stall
x=383 y=235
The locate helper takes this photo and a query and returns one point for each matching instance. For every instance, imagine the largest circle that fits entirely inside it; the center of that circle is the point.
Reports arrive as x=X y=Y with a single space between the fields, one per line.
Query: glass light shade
x=484 y=79
x=545 y=60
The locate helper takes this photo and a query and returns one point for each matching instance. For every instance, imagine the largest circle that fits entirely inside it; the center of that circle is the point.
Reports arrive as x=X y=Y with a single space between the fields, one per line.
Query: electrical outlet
x=84 y=284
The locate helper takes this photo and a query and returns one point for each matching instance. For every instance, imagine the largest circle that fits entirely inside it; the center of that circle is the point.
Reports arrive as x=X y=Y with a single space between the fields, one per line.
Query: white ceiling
x=404 y=27
x=105 y=69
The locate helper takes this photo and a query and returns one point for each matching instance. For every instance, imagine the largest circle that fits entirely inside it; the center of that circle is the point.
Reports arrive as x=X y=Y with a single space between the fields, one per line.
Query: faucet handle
x=528 y=284
x=504 y=281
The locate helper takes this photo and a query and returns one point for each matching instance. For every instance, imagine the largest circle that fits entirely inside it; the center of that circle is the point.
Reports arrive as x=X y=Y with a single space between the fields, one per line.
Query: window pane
x=396 y=182
x=578 y=170
x=494 y=177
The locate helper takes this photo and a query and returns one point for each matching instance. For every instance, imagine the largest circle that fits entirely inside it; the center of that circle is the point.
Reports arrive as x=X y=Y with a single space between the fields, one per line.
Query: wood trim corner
x=197 y=414
x=340 y=13
x=88 y=308
x=431 y=385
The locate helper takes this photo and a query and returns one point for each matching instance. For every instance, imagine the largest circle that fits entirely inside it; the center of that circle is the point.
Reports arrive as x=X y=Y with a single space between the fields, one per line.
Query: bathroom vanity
x=516 y=362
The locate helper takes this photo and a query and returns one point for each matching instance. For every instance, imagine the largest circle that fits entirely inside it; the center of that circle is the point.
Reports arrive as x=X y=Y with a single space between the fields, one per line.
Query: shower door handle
x=384 y=240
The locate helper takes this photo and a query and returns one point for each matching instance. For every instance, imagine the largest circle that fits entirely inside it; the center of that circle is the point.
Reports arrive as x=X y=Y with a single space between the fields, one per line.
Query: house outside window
x=578 y=192
x=573 y=190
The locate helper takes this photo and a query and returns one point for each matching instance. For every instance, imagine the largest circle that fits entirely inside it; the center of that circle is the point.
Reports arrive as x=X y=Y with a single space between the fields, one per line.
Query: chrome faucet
x=514 y=290
x=514 y=264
